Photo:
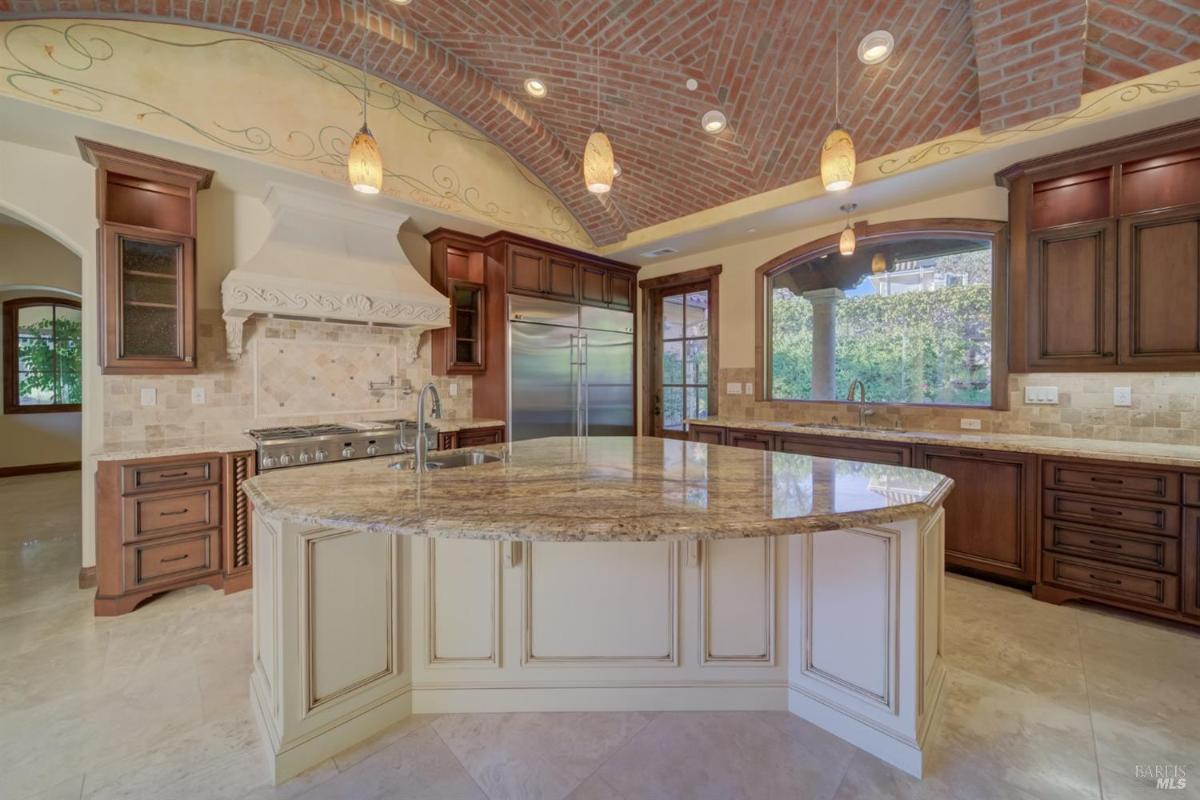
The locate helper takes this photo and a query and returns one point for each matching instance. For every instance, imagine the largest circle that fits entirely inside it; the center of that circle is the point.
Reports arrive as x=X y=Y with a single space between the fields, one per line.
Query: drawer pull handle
x=174 y=558
x=1108 y=512
x=1102 y=543
x=1114 y=481
x=183 y=474
x=1109 y=581
x=172 y=513
x=971 y=453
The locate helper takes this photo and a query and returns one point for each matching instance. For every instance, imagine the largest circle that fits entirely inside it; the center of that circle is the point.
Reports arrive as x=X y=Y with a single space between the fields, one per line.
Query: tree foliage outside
x=931 y=346
x=49 y=358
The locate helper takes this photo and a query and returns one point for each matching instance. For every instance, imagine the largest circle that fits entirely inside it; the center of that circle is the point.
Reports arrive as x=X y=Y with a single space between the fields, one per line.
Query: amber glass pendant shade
x=846 y=242
x=365 y=164
x=878 y=263
x=837 y=160
x=598 y=163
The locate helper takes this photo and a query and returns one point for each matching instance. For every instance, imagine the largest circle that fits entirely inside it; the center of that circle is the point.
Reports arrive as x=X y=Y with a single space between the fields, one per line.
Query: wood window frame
x=12 y=393
x=995 y=230
x=651 y=289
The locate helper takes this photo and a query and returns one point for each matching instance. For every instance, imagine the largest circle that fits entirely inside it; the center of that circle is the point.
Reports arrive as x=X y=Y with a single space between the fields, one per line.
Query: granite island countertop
x=1174 y=455
x=603 y=489
x=233 y=443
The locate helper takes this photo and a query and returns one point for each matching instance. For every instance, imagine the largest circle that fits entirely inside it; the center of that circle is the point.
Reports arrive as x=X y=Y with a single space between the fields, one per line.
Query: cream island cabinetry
x=598 y=574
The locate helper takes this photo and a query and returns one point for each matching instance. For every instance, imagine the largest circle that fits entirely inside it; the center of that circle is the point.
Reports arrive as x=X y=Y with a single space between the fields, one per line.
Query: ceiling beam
x=1030 y=57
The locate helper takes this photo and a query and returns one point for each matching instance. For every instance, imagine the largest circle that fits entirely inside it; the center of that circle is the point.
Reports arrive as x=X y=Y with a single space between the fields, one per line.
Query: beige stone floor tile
x=381 y=741
x=868 y=778
x=535 y=756
x=67 y=789
x=726 y=755
x=596 y=788
x=417 y=767
x=1124 y=784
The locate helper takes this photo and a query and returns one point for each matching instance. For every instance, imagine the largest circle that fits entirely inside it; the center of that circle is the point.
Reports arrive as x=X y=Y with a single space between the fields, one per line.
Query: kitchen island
x=613 y=573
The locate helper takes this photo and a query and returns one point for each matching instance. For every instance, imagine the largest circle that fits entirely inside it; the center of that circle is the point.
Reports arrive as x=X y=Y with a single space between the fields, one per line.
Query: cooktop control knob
x=372 y=450
x=321 y=455
x=347 y=452
x=305 y=456
x=268 y=462
x=285 y=459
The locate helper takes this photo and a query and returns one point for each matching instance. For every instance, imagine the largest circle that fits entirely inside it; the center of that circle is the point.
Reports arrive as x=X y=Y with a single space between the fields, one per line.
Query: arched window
x=41 y=351
x=915 y=314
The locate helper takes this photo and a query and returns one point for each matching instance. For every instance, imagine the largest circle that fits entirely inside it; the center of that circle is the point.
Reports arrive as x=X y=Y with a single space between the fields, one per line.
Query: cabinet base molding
x=646 y=697
x=1056 y=596
x=124 y=603
x=87 y=577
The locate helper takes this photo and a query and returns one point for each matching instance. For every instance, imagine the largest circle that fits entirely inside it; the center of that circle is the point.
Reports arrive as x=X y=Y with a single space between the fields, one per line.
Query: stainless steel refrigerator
x=570 y=370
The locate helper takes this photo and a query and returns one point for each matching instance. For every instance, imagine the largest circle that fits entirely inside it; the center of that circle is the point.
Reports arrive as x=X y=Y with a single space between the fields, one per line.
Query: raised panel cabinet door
x=620 y=290
x=749 y=440
x=593 y=285
x=1072 y=304
x=526 y=270
x=705 y=435
x=991 y=512
x=562 y=279
x=1191 y=562
x=1160 y=289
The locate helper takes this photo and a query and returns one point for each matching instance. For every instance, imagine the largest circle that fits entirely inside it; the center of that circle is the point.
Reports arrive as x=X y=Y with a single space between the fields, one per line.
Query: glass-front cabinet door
x=683 y=356
x=466 y=310
x=148 y=320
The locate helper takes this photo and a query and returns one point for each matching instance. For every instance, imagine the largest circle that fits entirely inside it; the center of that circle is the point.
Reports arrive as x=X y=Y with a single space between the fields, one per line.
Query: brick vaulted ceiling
x=768 y=64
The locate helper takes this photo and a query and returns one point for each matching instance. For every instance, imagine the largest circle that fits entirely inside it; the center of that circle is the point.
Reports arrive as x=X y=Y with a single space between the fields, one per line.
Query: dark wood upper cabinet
x=526 y=268
x=146 y=208
x=1104 y=253
x=991 y=515
x=621 y=288
x=1073 y=276
x=1160 y=288
x=562 y=279
x=458 y=269
x=605 y=286
x=593 y=285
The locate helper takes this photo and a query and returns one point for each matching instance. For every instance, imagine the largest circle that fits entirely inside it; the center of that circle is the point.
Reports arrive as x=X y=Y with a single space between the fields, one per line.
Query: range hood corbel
x=331 y=260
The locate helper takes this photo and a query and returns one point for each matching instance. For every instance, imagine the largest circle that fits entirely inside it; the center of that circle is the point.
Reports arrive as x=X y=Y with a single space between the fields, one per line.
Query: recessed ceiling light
x=713 y=121
x=401 y=2
x=875 y=47
x=535 y=87
x=692 y=84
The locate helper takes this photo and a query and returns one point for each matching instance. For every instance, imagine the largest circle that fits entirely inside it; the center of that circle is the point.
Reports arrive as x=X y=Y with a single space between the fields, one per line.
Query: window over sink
x=915 y=313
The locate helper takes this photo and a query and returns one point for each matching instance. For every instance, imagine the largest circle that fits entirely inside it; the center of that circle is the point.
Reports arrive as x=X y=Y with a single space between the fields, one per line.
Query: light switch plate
x=1041 y=395
x=149 y=397
x=199 y=397
x=749 y=389
x=733 y=388
x=454 y=390
x=970 y=424
x=1122 y=396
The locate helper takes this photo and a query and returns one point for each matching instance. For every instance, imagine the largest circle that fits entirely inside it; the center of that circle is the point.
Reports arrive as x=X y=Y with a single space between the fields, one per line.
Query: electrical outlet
x=748 y=389
x=198 y=396
x=1122 y=396
x=970 y=424
x=454 y=390
x=733 y=388
x=149 y=397
x=1041 y=395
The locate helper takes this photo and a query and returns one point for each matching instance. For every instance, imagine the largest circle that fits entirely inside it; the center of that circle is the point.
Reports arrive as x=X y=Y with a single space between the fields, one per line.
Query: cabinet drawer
x=1132 y=549
x=191 y=472
x=852 y=450
x=163 y=513
x=749 y=439
x=1191 y=490
x=1120 y=583
x=167 y=560
x=1122 y=514
x=1160 y=485
x=706 y=434
x=472 y=437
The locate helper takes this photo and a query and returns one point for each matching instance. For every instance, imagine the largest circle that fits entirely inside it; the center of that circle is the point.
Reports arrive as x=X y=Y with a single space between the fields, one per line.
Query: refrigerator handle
x=583 y=351
x=574 y=361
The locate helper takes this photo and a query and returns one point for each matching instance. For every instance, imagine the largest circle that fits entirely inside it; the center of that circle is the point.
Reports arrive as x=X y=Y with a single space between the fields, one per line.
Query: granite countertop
x=122 y=451
x=1174 y=455
x=603 y=489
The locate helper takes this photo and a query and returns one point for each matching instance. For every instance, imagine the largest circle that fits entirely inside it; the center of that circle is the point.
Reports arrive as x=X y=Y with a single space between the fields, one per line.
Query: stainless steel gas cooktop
x=297 y=445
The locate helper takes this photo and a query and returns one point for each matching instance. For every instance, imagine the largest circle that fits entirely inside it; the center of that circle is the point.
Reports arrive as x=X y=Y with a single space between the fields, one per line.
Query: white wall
x=56 y=195
x=31 y=265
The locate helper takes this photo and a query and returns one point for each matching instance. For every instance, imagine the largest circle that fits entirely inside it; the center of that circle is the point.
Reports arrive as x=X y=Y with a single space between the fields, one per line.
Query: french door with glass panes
x=683 y=353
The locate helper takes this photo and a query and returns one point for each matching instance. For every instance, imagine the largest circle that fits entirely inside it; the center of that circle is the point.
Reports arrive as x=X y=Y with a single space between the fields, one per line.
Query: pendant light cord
x=596 y=56
x=837 y=64
x=362 y=58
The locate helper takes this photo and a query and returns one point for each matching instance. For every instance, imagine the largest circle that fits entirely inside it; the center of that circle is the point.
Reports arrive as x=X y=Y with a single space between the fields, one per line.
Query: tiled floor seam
x=594 y=773
x=1087 y=692
x=459 y=761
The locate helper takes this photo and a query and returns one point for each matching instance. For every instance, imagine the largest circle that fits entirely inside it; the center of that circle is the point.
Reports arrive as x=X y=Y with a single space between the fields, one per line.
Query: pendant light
x=365 y=163
x=846 y=242
x=878 y=263
x=598 y=161
x=837 y=153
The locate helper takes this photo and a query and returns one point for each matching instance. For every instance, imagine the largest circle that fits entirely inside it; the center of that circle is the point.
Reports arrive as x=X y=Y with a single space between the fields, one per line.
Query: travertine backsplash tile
x=1164 y=410
x=292 y=372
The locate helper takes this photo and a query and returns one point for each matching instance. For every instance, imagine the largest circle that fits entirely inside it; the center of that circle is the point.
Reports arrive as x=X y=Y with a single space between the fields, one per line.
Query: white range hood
x=330 y=260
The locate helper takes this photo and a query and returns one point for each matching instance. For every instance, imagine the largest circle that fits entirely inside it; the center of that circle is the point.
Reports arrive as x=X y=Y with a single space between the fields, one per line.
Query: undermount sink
x=463 y=458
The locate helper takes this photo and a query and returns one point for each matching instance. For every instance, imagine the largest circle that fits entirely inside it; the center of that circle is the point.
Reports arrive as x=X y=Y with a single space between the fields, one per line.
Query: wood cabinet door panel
x=1111 y=481
x=1191 y=562
x=1120 y=583
x=1191 y=490
x=562 y=279
x=593 y=285
x=750 y=440
x=621 y=287
x=473 y=437
x=1132 y=549
x=169 y=475
x=1112 y=513
x=1073 y=297
x=700 y=433
x=163 y=513
x=991 y=512
x=525 y=270
x=1160 y=289
x=171 y=559
x=847 y=449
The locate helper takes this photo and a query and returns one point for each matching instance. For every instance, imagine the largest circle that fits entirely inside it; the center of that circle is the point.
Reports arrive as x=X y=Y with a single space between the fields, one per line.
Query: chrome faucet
x=863 y=411
x=422 y=439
